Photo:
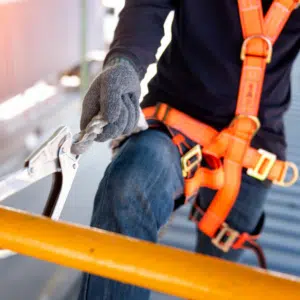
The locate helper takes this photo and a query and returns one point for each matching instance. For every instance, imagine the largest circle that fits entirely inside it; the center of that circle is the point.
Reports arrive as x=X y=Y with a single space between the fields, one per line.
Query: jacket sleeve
x=139 y=31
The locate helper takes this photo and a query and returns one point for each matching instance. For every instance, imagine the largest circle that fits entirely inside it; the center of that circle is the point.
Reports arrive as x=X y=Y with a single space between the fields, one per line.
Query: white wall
x=39 y=37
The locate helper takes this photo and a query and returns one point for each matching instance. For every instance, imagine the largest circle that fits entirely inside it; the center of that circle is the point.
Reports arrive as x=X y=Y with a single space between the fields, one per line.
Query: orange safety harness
x=228 y=152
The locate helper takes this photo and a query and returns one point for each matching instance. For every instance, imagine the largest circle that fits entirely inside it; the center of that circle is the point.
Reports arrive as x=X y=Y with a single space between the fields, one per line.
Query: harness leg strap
x=243 y=128
x=228 y=238
x=223 y=200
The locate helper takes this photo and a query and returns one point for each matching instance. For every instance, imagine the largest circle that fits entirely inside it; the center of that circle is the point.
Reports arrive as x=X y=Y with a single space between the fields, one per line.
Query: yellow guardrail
x=160 y=268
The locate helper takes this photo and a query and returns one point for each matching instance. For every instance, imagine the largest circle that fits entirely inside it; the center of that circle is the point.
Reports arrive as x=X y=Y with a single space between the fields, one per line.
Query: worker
x=198 y=75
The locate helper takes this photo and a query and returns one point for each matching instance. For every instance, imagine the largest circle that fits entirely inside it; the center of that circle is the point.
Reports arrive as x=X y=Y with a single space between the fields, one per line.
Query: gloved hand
x=115 y=95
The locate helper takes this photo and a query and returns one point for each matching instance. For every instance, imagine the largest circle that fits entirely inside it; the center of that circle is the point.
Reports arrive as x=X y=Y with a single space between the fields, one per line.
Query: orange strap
x=233 y=143
x=240 y=135
x=260 y=34
x=229 y=238
x=256 y=53
x=204 y=135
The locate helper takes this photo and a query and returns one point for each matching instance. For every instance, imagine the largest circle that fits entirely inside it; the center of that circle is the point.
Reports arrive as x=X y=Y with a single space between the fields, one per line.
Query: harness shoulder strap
x=260 y=35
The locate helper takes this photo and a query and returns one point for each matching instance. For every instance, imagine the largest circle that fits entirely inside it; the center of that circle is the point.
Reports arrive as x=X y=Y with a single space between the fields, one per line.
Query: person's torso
x=199 y=72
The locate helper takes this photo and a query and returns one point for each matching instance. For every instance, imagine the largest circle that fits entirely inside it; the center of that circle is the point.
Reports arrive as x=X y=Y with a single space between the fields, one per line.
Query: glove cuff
x=118 y=58
x=116 y=61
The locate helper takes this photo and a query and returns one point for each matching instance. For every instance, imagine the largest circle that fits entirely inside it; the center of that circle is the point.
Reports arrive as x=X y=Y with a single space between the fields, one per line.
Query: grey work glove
x=114 y=95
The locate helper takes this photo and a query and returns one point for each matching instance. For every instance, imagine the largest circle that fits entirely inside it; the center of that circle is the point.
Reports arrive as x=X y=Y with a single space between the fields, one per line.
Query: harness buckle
x=263 y=166
x=282 y=181
x=226 y=237
x=257 y=36
x=253 y=118
x=186 y=164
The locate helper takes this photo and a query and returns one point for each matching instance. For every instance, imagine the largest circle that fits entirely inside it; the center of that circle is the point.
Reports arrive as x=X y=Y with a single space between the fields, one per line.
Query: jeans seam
x=107 y=175
x=149 y=200
x=86 y=286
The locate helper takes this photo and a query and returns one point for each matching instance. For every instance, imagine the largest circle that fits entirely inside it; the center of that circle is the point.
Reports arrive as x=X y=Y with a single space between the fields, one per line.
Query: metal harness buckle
x=283 y=182
x=257 y=36
x=263 y=166
x=226 y=237
x=186 y=164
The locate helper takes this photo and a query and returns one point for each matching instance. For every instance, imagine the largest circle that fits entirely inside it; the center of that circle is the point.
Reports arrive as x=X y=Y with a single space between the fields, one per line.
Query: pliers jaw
x=54 y=158
x=62 y=180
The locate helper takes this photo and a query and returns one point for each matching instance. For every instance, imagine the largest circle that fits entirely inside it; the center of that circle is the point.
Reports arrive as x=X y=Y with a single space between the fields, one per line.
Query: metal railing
x=160 y=268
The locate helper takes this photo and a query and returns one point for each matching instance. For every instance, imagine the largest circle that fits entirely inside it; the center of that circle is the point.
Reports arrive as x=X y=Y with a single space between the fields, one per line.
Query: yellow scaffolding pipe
x=164 y=269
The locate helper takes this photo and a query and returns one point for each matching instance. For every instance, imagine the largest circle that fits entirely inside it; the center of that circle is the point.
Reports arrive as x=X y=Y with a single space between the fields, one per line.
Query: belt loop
x=157 y=108
x=161 y=106
x=166 y=113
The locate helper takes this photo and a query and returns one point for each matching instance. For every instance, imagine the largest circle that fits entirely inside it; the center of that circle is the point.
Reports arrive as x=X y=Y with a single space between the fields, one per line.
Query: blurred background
x=50 y=51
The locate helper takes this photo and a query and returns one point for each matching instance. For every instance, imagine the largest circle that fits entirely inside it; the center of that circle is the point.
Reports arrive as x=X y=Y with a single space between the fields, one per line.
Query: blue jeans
x=136 y=198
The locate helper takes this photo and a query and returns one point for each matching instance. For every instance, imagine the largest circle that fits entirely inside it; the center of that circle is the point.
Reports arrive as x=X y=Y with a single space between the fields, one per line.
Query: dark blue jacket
x=200 y=70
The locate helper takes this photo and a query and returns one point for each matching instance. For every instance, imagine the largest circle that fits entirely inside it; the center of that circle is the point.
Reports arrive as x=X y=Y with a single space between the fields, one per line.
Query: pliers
x=58 y=157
